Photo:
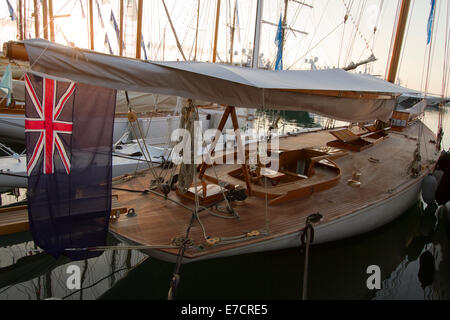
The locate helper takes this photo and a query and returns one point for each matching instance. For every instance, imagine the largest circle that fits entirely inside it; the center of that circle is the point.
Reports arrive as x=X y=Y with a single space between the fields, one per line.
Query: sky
x=328 y=39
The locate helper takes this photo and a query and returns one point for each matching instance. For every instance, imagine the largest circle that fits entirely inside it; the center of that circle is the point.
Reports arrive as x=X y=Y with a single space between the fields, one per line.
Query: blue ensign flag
x=279 y=43
x=430 y=21
x=69 y=130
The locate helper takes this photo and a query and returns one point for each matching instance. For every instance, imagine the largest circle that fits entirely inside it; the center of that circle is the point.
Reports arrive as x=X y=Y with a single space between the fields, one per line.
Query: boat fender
x=444 y=161
x=438 y=175
x=429 y=187
x=443 y=190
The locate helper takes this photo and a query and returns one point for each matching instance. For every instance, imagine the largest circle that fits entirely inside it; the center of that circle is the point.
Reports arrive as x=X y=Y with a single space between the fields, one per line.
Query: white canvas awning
x=333 y=93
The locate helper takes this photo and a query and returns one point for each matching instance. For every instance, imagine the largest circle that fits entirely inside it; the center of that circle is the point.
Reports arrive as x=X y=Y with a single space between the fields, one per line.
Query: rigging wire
x=319 y=42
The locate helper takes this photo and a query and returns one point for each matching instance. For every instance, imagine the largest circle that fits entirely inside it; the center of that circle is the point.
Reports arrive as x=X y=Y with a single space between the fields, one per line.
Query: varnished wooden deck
x=158 y=221
x=15 y=219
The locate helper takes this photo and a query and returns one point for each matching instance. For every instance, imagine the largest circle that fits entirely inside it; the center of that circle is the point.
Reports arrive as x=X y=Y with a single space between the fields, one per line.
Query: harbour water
x=413 y=254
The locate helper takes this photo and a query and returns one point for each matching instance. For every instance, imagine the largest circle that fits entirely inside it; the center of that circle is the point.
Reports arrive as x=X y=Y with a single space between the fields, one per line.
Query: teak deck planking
x=158 y=221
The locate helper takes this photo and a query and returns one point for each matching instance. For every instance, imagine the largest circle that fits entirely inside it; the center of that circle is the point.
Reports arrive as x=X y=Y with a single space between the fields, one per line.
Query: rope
x=139 y=247
x=176 y=274
x=307 y=239
x=308 y=236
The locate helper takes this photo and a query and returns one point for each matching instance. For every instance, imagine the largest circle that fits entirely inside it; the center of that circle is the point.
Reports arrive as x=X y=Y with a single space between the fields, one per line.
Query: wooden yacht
x=313 y=179
x=343 y=181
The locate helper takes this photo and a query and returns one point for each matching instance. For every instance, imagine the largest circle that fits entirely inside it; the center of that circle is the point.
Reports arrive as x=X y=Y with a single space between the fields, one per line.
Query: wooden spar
x=121 y=12
x=91 y=25
x=400 y=33
x=233 y=30
x=257 y=40
x=20 y=19
x=216 y=32
x=229 y=112
x=52 y=24
x=24 y=19
x=36 y=18
x=180 y=48
x=45 y=19
x=196 y=29
x=139 y=30
x=284 y=24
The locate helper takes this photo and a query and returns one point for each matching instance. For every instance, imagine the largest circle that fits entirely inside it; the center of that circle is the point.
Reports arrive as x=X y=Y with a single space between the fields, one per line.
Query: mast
x=91 y=24
x=399 y=36
x=20 y=19
x=284 y=24
x=121 y=12
x=233 y=29
x=52 y=25
x=139 y=30
x=196 y=30
x=36 y=18
x=216 y=32
x=24 y=19
x=256 y=42
x=45 y=18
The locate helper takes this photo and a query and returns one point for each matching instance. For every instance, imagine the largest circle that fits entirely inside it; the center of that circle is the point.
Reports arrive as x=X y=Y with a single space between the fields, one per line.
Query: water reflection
x=337 y=270
x=28 y=274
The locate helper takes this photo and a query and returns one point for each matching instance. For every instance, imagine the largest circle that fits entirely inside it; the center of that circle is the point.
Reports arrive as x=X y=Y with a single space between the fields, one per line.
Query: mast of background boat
x=121 y=12
x=399 y=36
x=45 y=18
x=216 y=32
x=20 y=20
x=233 y=29
x=256 y=42
x=36 y=18
x=284 y=24
x=52 y=25
x=91 y=24
x=139 y=30
x=196 y=30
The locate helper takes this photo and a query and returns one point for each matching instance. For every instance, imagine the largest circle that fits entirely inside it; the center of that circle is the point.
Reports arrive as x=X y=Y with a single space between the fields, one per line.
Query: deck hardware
x=131 y=213
x=253 y=234
x=212 y=241
x=307 y=239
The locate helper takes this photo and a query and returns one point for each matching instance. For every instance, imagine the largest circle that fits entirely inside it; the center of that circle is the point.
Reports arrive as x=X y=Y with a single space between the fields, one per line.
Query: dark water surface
x=413 y=254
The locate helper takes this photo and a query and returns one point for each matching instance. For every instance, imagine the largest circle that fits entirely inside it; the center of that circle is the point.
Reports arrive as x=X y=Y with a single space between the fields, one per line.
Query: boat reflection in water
x=28 y=274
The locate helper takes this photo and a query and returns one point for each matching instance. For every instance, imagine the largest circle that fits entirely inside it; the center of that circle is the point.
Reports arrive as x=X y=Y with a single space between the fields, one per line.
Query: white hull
x=157 y=130
x=121 y=166
x=359 y=222
x=12 y=128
